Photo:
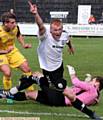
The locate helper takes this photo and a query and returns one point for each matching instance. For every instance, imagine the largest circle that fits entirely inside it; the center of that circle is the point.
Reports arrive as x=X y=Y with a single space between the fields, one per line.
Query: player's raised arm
x=38 y=20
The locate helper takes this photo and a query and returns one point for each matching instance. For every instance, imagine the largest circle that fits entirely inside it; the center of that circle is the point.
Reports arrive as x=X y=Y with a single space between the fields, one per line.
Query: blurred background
x=21 y=9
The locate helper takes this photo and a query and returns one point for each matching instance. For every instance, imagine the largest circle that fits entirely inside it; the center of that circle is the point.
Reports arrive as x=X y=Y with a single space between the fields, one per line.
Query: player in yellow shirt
x=10 y=56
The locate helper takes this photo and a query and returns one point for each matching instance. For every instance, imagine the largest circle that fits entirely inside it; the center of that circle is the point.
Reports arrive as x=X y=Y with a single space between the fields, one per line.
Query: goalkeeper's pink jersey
x=84 y=91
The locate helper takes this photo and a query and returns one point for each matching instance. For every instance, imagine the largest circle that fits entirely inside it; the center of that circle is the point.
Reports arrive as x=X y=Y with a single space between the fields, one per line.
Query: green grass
x=88 y=58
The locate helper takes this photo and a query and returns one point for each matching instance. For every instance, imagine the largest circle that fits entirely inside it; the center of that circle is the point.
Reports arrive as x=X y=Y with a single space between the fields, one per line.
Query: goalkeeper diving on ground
x=81 y=94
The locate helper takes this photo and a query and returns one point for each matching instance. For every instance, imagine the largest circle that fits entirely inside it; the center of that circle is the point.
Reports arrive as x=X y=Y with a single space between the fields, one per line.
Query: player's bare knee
x=70 y=95
x=7 y=74
x=25 y=67
x=5 y=70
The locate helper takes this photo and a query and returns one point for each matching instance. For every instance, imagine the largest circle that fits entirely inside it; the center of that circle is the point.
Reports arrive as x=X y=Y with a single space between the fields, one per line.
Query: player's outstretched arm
x=38 y=19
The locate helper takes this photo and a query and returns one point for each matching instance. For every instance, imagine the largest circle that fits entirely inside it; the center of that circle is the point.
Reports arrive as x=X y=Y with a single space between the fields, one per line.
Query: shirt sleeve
x=81 y=84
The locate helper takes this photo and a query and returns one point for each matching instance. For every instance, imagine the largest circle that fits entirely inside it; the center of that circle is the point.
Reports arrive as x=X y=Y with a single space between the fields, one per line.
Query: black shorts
x=51 y=97
x=54 y=75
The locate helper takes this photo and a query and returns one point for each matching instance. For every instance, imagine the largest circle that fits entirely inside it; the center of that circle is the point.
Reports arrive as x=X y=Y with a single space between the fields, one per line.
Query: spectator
x=92 y=19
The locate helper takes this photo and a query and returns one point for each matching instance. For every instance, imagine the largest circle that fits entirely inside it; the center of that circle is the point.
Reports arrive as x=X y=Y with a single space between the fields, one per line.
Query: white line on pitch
x=44 y=113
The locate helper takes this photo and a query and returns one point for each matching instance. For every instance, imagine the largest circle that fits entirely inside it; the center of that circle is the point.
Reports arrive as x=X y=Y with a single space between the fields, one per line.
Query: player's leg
x=27 y=95
x=25 y=82
x=26 y=71
x=19 y=96
x=46 y=96
x=19 y=61
x=6 y=76
x=35 y=78
x=83 y=108
x=4 y=67
x=56 y=74
x=56 y=78
x=80 y=105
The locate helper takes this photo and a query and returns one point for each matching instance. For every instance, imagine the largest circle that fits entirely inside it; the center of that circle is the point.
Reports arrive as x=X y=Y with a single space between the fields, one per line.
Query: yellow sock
x=31 y=88
x=7 y=83
x=28 y=73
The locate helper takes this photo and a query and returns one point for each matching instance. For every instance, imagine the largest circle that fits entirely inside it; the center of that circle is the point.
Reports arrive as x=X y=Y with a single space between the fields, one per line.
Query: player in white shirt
x=51 y=44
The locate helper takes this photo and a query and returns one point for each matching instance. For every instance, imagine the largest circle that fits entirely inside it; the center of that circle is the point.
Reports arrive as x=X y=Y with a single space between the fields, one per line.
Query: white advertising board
x=84 y=12
x=72 y=29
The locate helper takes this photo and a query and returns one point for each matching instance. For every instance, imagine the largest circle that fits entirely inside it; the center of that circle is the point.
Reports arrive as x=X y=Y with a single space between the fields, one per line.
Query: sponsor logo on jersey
x=57 y=46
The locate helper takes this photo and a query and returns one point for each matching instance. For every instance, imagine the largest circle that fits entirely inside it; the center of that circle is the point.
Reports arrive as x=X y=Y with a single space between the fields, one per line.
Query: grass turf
x=87 y=59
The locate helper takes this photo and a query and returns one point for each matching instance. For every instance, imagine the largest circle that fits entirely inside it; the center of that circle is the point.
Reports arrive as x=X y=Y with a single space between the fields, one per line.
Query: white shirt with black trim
x=50 y=50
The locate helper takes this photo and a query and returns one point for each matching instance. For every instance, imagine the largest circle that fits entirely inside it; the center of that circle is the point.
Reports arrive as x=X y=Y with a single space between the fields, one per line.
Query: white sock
x=13 y=90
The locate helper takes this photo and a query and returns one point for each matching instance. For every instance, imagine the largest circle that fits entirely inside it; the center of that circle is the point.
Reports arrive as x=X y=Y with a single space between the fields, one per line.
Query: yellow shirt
x=7 y=39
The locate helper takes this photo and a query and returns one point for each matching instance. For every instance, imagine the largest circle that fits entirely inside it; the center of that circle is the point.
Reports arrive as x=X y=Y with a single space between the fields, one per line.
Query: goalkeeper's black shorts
x=51 y=97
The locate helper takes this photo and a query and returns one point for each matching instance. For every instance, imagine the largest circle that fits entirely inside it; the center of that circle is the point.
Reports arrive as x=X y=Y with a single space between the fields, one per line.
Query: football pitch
x=88 y=58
